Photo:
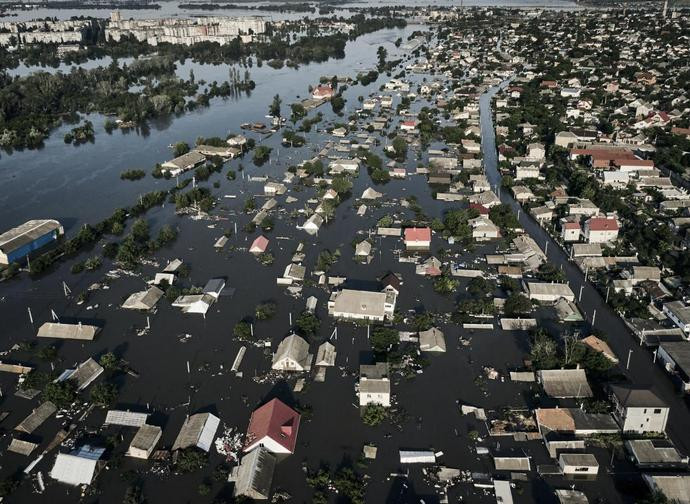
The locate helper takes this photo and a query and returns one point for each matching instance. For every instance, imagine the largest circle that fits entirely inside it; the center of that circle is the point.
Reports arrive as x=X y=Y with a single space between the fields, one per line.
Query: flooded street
x=180 y=364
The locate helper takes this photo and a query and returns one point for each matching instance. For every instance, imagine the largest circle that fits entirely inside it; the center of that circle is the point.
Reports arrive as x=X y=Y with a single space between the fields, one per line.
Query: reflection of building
x=219 y=29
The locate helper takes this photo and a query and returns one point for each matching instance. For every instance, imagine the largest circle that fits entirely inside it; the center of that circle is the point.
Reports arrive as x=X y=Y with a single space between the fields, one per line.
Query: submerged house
x=254 y=475
x=144 y=441
x=273 y=426
x=362 y=305
x=197 y=431
x=143 y=300
x=292 y=354
x=78 y=467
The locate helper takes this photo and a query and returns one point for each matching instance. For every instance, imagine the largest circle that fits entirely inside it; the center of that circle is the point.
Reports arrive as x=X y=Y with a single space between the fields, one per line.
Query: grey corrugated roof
x=68 y=331
x=26 y=233
x=255 y=474
x=146 y=437
x=36 y=418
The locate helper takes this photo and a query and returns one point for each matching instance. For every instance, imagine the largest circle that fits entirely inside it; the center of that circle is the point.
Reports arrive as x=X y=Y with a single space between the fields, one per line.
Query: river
x=78 y=184
x=171 y=9
x=642 y=371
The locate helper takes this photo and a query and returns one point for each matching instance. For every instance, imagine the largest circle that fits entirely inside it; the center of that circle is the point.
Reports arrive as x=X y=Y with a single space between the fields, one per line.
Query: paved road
x=642 y=370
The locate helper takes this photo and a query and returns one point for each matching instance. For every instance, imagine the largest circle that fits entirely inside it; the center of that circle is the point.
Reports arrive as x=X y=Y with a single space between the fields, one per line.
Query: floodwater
x=171 y=9
x=78 y=184
x=426 y=406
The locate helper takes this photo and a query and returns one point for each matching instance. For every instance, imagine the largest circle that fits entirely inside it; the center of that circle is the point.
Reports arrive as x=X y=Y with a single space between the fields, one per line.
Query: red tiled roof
x=571 y=225
x=323 y=91
x=417 y=234
x=480 y=208
x=260 y=243
x=276 y=420
x=602 y=224
x=634 y=162
x=409 y=123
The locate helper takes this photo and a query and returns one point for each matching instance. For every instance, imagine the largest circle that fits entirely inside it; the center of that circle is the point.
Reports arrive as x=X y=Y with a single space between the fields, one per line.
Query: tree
x=140 y=230
x=480 y=287
x=383 y=339
x=103 y=395
x=62 y=394
x=190 y=460
x=180 y=148
x=445 y=284
x=166 y=235
x=374 y=414
x=341 y=184
x=265 y=311
x=242 y=331
x=400 y=148
x=109 y=361
x=543 y=351
x=261 y=155
x=274 y=109
x=337 y=103
x=308 y=323
x=517 y=304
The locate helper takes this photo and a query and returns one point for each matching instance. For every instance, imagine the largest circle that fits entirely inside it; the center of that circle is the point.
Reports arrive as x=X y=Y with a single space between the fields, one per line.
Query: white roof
x=73 y=470
x=126 y=418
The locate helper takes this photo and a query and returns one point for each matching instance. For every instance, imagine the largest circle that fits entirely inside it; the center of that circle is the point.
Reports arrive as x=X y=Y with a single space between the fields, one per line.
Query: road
x=642 y=370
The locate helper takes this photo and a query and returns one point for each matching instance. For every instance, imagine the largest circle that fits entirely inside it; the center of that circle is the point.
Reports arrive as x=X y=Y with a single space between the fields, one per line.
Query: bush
x=190 y=460
x=383 y=339
x=265 y=311
x=517 y=304
x=132 y=175
x=308 y=323
x=374 y=414
x=103 y=395
x=62 y=394
x=242 y=331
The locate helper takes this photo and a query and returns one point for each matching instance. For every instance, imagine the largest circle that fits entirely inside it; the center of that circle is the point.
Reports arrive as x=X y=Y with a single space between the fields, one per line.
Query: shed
x=143 y=300
x=59 y=330
x=571 y=497
x=125 y=418
x=565 y=383
x=254 y=476
x=36 y=418
x=432 y=340
x=581 y=464
x=198 y=430
x=325 y=356
x=21 y=447
x=85 y=373
x=144 y=441
x=417 y=457
x=512 y=461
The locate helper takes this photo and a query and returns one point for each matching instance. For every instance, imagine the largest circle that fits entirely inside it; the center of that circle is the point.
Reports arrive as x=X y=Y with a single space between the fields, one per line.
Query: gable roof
x=276 y=420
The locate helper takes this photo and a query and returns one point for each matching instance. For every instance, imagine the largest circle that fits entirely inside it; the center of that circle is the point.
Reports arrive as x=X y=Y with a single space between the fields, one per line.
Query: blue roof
x=88 y=452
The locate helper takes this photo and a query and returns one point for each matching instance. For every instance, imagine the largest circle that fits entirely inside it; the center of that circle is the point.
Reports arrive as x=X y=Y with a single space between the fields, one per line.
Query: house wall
x=377 y=398
x=269 y=443
x=676 y=320
x=643 y=420
x=26 y=249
